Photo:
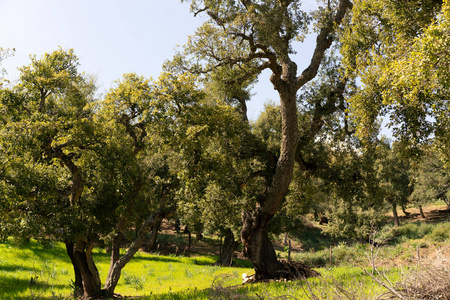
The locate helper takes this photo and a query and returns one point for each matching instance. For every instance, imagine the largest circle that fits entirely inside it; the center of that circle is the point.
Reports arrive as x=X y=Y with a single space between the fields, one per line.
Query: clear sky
x=111 y=37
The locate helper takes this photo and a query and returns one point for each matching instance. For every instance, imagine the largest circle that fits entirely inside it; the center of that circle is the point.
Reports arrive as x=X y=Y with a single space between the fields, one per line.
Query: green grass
x=32 y=272
x=330 y=285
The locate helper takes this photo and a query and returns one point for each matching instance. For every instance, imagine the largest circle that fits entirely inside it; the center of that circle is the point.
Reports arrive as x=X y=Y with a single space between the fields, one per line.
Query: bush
x=440 y=233
x=314 y=259
x=409 y=231
x=177 y=240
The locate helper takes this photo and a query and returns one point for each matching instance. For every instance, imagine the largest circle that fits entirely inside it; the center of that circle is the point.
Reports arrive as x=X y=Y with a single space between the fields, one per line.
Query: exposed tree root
x=291 y=271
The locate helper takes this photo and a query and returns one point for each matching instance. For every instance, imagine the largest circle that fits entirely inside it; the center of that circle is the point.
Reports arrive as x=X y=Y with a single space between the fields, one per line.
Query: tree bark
x=78 y=284
x=229 y=246
x=255 y=240
x=115 y=256
x=189 y=240
x=395 y=214
x=82 y=255
x=199 y=235
x=117 y=264
x=421 y=212
x=154 y=236
x=404 y=210
x=285 y=239
x=257 y=245
x=254 y=237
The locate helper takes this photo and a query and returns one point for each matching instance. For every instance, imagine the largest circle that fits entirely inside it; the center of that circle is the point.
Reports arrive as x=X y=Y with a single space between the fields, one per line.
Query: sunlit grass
x=34 y=272
x=332 y=284
x=148 y=274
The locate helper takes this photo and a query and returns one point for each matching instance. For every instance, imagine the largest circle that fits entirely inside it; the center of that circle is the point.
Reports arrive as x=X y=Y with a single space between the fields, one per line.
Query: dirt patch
x=433 y=214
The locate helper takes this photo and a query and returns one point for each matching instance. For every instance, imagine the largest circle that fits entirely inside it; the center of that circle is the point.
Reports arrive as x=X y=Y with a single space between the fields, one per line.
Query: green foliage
x=418 y=233
x=78 y=169
x=441 y=233
x=45 y=119
x=392 y=183
x=353 y=222
x=271 y=25
x=408 y=231
x=396 y=51
x=431 y=179
x=178 y=240
x=4 y=54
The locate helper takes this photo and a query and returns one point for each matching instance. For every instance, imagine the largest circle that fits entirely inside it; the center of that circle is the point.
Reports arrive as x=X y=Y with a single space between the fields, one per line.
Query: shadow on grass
x=239 y=263
x=182 y=295
x=22 y=251
x=11 y=287
x=14 y=268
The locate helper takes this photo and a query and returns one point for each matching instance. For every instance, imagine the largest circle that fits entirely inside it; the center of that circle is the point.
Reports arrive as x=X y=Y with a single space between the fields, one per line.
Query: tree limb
x=323 y=42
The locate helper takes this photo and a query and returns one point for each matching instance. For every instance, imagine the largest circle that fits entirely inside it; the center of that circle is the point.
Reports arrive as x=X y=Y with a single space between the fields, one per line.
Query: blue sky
x=111 y=37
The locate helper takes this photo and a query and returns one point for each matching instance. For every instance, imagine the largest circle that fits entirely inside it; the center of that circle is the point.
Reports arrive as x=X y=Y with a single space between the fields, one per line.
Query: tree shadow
x=14 y=268
x=11 y=287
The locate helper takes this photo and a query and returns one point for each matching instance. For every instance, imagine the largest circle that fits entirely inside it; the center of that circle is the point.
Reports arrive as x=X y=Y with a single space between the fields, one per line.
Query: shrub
x=409 y=231
x=440 y=233
x=315 y=259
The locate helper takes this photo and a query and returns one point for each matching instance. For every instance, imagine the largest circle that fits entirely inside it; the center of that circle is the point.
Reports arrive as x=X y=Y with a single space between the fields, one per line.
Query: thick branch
x=323 y=42
x=130 y=129
x=43 y=96
x=77 y=180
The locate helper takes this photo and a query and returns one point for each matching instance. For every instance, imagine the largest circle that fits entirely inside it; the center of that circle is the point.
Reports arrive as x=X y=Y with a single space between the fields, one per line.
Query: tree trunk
x=115 y=256
x=117 y=264
x=421 y=212
x=229 y=246
x=285 y=239
x=284 y=78
x=255 y=240
x=395 y=214
x=78 y=284
x=404 y=210
x=154 y=237
x=189 y=240
x=82 y=256
x=257 y=245
x=199 y=235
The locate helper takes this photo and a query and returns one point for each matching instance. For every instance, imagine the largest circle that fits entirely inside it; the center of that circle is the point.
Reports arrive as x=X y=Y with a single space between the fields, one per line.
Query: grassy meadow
x=35 y=271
